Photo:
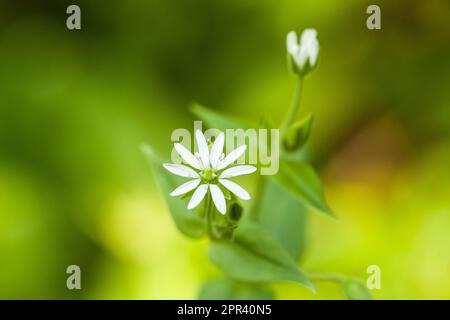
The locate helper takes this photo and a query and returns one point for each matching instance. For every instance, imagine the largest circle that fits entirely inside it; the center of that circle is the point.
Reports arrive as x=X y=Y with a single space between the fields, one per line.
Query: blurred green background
x=76 y=105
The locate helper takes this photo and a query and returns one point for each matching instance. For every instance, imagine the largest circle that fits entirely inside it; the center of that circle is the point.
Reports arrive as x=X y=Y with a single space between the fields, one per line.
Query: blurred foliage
x=76 y=105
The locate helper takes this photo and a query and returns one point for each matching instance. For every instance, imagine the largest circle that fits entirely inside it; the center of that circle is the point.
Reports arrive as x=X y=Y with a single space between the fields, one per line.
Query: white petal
x=235 y=188
x=291 y=42
x=301 y=57
x=310 y=45
x=237 y=171
x=218 y=198
x=185 y=187
x=198 y=196
x=231 y=157
x=313 y=53
x=202 y=148
x=188 y=156
x=180 y=170
x=217 y=149
x=308 y=36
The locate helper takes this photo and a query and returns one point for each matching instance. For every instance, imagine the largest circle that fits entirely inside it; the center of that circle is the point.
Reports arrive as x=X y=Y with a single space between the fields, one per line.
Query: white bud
x=302 y=56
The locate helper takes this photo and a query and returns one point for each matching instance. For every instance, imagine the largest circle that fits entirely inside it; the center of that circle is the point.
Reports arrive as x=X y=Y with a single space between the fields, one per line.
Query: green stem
x=294 y=107
x=208 y=215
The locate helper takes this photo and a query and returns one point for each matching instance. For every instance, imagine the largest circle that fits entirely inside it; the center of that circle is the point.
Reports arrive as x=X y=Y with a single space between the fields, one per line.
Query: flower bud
x=302 y=57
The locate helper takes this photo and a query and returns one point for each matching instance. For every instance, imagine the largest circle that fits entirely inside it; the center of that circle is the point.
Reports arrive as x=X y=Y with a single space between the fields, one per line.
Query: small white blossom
x=209 y=169
x=304 y=54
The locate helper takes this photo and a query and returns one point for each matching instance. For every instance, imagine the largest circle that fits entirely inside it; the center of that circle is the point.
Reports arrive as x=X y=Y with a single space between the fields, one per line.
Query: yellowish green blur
x=76 y=105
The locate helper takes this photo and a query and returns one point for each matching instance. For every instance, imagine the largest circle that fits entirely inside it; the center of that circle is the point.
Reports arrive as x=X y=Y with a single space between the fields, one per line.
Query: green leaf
x=286 y=220
x=219 y=120
x=297 y=134
x=229 y=289
x=300 y=179
x=187 y=221
x=355 y=289
x=254 y=256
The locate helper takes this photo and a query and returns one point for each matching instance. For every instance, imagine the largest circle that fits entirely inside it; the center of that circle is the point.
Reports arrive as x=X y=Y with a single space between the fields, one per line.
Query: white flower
x=209 y=169
x=305 y=51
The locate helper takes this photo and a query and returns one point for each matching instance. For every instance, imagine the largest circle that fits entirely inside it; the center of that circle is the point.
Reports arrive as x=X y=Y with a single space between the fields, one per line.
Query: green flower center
x=208 y=176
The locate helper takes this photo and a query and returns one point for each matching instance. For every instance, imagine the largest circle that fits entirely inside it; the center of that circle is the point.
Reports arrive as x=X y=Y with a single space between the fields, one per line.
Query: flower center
x=208 y=175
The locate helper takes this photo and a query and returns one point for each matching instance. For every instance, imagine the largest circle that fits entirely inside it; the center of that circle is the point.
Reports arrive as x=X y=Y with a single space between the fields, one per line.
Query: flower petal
x=313 y=53
x=301 y=57
x=308 y=36
x=231 y=157
x=188 y=156
x=185 y=187
x=235 y=188
x=180 y=170
x=202 y=146
x=291 y=43
x=237 y=171
x=217 y=149
x=198 y=196
x=218 y=198
x=309 y=43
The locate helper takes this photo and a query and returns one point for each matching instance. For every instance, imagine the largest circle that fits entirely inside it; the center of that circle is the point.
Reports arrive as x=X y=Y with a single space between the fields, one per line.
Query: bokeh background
x=76 y=105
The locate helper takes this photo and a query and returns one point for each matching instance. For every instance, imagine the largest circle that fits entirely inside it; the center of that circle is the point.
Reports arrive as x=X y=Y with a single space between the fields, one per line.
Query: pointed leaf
x=186 y=220
x=286 y=220
x=254 y=256
x=300 y=179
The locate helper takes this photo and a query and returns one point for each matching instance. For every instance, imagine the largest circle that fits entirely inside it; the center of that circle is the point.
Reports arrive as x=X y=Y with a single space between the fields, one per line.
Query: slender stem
x=327 y=276
x=294 y=107
x=210 y=211
x=208 y=215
